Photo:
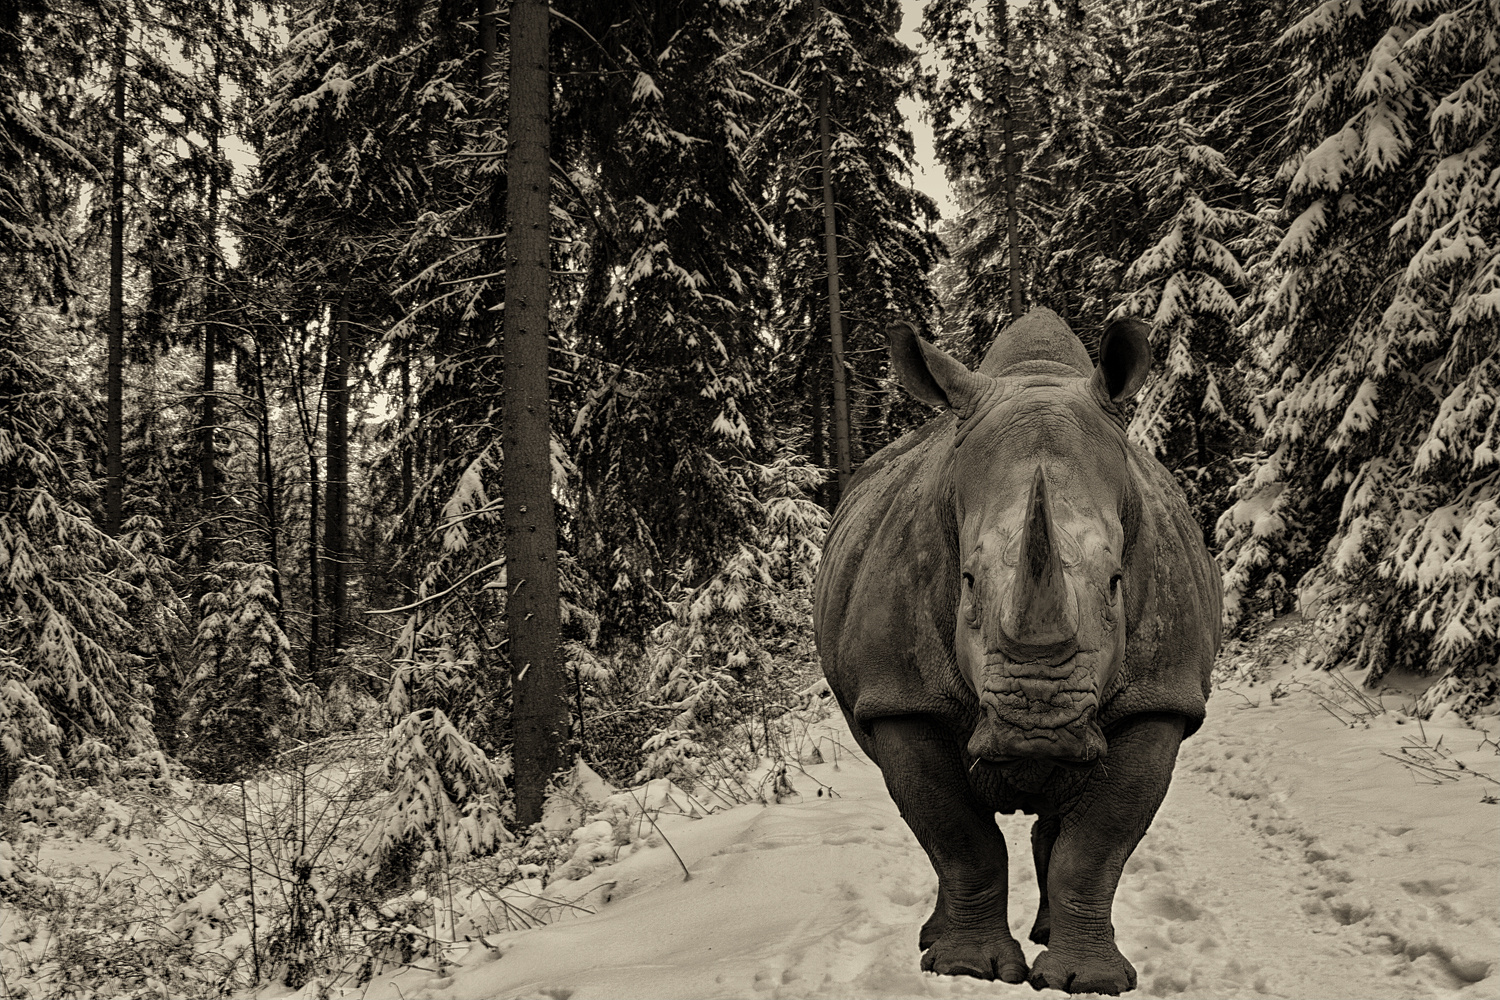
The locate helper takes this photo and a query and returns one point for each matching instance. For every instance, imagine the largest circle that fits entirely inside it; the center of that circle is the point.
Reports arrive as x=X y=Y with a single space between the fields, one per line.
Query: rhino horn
x=1042 y=617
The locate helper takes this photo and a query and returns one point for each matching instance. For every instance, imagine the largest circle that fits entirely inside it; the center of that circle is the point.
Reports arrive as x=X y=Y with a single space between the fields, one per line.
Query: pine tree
x=1378 y=474
x=984 y=104
x=245 y=700
x=1195 y=175
x=341 y=135
x=842 y=56
x=671 y=406
x=63 y=593
x=81 y=612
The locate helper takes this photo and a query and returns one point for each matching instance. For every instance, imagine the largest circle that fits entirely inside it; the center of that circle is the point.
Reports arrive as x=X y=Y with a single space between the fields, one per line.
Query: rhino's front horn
x=1042 y=617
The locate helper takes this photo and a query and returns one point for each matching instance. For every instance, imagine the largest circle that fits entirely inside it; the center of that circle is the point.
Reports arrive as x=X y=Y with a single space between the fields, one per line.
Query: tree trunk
x=308 y=417
x=208 y=485
x=268 y=485
x=540 y=714
x=336 y=496
x=208 y=472
x=489 y=47
x=817 y=444
x=1010 y=160
x=835 y=310
x=408 y=577
x=314 y=590
x=114 y=488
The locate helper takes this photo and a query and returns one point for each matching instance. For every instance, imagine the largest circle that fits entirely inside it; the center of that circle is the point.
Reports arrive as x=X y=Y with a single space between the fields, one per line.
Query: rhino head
x=1044 y=512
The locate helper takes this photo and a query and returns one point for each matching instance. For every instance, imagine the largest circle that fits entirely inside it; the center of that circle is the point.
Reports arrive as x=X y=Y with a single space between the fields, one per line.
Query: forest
x=401 y=401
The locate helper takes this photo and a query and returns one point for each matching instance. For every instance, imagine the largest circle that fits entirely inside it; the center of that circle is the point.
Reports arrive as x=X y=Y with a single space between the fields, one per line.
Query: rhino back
x=1173 y=605
x=886 y=589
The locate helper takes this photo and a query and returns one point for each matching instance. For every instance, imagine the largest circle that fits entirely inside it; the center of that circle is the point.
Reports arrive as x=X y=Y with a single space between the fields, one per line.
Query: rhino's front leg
x=1096 y=837
x=937 y=923
x=924 y=772
x=1043 y=836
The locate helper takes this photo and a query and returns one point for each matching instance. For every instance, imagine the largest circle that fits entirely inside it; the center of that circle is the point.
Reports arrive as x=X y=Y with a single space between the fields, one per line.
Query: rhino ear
x=1124 y=359
x=931 y=375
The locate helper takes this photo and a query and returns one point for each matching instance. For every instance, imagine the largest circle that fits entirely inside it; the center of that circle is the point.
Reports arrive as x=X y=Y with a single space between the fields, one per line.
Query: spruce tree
x=1375 y=494
x=842 y=57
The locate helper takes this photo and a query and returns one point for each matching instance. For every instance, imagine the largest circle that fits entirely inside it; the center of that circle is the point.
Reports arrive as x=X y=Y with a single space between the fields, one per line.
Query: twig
x=822 y=784
x=1327 y=708
x=851 y=753
x=1418 y=765
x=549 y=899
x=1252 y=704
x=686 y=875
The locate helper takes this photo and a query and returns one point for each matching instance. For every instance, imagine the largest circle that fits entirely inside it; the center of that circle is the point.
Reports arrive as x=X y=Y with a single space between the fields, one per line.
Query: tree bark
x=314 y=589
x=835 y=309
x=208 y=477
x=489 y=47
x=308 y=418
x=817 y=444
x=408 y=575
x=539 y=713
x=268 y=484
x=336 y=494
x=114 y=488
x=1010 y=160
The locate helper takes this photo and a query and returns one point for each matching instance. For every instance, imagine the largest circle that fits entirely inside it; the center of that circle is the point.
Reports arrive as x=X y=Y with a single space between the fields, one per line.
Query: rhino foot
x=983 y=956
x=932 y=930
x=1111 y=974
x=936 y=925
x=1041 y=928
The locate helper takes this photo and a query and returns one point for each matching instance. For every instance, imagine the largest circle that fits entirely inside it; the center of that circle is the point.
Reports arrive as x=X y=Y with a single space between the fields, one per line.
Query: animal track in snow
x=1265 y=875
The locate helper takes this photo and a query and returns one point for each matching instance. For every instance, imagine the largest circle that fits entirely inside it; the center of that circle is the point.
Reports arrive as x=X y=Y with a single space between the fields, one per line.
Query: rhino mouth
x=1039 y=710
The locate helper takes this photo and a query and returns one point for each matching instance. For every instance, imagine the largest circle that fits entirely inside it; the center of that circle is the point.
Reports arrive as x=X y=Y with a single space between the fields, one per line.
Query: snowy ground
x=1292 y=858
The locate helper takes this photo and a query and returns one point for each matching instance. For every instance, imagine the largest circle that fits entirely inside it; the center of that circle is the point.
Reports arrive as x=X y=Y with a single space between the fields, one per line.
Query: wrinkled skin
x=1016 y=611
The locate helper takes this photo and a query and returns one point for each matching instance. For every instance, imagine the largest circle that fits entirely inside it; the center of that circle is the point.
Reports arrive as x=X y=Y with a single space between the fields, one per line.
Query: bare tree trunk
x=336 y=501
x=408 y=576
x=835 y=310
x=208 y=471
x=314 y=590
x=1010 y=159
x=489 y=46
x=208 y=479
x=540 y=714
x=817 y=444
x=307 y=417
x=268 y=484
x=114 y=488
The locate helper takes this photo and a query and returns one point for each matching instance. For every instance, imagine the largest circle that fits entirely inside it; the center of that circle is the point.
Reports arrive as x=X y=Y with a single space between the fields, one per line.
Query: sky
x=927 y=174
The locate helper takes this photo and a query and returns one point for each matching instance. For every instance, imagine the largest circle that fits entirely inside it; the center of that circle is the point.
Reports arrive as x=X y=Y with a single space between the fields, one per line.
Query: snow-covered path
x=1290 y=859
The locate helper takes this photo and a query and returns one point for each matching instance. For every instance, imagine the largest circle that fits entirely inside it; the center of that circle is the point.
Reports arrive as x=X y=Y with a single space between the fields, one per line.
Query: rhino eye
x=1114 y=586
x=969 y=580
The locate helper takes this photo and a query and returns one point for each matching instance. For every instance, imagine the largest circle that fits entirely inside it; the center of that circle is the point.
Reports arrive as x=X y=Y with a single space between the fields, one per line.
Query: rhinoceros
x=1017 y=611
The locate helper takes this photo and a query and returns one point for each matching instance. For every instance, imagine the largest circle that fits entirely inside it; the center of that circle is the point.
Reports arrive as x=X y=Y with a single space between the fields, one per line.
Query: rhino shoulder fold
x=1174 y=604
x=883 y=601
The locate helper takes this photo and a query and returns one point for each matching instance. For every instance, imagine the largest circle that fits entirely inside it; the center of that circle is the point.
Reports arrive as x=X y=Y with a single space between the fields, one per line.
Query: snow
x=1302 y=235
x=645 y=87
x=1326 y=166
x=1384 y=74
x=1295 y=856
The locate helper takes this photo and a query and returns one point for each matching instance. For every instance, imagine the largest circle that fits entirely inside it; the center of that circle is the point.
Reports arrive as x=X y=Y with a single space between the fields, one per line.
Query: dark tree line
x=314 y=315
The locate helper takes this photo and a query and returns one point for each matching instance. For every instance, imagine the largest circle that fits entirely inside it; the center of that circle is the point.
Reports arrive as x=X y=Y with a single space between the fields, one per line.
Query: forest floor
x=1316 y=842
